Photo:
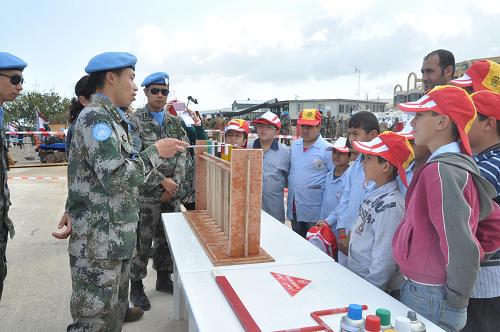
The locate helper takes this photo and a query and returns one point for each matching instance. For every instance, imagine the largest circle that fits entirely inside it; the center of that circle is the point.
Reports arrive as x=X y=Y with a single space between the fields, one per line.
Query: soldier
x=329 y=125
x=103 y=176
x=162 y=191
x=11 y=85
x=286 y=127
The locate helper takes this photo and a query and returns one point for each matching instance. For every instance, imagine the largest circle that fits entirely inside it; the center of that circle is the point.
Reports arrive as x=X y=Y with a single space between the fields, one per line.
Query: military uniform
x=6 y=225
x=180 y=169
x=7 y=62
x=103 y=176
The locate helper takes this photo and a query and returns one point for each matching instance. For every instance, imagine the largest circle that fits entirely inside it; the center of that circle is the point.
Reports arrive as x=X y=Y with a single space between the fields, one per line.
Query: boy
x=362 y=126
x=334 y=185
x=370 y=250
x=436 y=245
x=484 y=305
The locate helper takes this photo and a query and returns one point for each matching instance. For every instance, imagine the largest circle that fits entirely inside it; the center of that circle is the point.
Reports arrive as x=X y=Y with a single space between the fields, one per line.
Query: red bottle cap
x=372 y=323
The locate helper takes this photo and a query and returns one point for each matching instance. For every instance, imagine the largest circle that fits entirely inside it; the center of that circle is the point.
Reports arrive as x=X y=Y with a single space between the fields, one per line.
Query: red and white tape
x=37 y=178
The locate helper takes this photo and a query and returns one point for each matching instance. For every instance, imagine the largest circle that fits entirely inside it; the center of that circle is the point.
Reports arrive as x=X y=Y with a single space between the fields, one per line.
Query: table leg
x=192 y=327
x=179 y=301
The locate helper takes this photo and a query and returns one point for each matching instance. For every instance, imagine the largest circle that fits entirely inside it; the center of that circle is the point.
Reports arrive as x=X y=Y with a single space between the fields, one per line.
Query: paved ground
x=38 y=285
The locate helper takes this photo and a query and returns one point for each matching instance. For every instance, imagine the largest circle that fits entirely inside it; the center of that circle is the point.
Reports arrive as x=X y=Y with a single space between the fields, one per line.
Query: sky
x=220 y=50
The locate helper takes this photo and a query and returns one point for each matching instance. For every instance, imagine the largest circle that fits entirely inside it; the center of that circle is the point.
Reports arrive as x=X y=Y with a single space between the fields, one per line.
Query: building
x=337 y=107
x=239 y=105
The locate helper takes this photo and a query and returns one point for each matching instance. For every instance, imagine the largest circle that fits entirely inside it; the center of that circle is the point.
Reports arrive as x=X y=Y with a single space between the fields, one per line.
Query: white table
x=267 y=301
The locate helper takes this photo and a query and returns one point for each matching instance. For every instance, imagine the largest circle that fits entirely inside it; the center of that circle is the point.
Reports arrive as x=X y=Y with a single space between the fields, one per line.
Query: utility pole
x=358 y=71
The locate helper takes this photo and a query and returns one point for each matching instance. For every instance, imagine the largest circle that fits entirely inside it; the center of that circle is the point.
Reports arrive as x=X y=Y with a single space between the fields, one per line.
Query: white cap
x=403 y=324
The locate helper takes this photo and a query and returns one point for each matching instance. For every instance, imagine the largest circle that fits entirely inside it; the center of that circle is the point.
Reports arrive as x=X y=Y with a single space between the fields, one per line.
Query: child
x=236 y=133
x=484 y=136
x=362 y=126
x=334 y=185
x=370 y=243
x=436 y=245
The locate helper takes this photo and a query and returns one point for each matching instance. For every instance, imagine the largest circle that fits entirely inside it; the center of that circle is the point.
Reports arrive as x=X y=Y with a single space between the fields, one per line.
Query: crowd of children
x=412 y=212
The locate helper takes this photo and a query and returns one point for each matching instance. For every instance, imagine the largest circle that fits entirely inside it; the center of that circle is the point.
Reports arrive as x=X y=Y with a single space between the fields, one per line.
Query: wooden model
x=228 y=202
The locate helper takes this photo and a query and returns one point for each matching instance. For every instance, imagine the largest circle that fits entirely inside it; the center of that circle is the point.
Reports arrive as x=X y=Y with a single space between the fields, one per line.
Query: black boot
x=164 y=282
x=137 y=295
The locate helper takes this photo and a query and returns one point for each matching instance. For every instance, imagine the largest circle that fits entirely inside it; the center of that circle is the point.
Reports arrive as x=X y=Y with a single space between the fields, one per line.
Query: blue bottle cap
x=355 y=312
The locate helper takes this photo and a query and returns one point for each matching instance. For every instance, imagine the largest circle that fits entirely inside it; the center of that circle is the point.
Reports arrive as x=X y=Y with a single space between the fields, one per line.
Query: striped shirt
x=488 y=280
x=275 y=170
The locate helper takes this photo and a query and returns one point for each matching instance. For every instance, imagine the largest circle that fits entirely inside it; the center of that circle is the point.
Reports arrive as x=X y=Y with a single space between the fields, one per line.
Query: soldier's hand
x=65 y=221
x=168 y=147
x=170 y=186
x=165 y=197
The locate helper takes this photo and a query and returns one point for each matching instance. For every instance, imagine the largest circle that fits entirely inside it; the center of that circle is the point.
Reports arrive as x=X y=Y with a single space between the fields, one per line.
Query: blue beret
x=9 y=61
x=156 y=78
x=111 y=61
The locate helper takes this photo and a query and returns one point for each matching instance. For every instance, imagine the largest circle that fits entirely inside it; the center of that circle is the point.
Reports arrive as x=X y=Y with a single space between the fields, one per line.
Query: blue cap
x=9 y=61
x=156 y=78
x=355 y=312
x=111 y=61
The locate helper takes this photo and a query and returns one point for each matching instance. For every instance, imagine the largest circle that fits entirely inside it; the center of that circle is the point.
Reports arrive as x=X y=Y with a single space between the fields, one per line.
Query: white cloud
x=261 y=55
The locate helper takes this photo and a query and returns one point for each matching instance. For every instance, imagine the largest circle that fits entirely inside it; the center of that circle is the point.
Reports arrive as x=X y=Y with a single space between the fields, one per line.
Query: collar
x=274 y=145
x=484 y=152
x=104 y=100
x=317 y=144
x=452 y=147
x=386 y=188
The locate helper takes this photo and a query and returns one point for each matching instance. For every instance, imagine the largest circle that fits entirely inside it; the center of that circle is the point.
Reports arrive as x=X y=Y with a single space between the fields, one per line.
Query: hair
x=454 y=129
x=98 y=78
x=364 y=120
x=82 y=89
x=446 y=58
x=484 y=117
x=394 y=169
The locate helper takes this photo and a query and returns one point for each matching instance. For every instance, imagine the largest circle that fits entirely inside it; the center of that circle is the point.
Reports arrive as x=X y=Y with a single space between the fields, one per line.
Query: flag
x=41 y=123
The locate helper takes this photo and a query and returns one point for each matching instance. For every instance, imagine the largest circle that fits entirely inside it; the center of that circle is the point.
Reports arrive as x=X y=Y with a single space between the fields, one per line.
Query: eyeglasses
x=155 y=91
x=14 y=79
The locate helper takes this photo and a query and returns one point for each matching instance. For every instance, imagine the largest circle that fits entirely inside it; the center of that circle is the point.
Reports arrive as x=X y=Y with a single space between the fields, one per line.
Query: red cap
x=269 y=118
x=372 y=323
x=394 y=148
x=239 y=125
x=482 y=75
x=451 y=101
x=487 y=103
x=309 y=117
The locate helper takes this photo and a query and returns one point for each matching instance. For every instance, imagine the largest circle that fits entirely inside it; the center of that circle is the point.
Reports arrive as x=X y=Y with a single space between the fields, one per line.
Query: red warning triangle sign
x=293 y=285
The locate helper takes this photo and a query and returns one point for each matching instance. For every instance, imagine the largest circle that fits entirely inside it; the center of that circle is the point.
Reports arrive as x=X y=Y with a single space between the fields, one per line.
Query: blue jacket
x=331 y=198
x=306 y=182
x=354 y=192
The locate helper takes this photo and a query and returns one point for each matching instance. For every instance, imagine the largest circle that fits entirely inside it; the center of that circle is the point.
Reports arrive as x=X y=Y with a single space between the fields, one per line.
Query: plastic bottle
x=385 y=318
x=403 y=324
x=353 y=321
x=372 y=324
x=416 y=325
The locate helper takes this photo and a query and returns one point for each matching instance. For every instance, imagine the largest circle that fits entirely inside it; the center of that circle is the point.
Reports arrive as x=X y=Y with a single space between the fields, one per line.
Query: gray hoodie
x=370 y=244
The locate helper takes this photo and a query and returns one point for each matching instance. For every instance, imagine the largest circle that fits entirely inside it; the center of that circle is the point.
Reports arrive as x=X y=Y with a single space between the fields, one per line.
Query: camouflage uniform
x=103 y=176
x=6 y=225
x=179 y=169
x=329 y=125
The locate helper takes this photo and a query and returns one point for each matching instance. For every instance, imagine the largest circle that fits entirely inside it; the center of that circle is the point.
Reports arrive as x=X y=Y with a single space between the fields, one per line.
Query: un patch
x=101 y=132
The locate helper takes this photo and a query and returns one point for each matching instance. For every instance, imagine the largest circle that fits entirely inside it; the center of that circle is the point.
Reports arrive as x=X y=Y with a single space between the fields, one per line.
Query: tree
x=21 y=111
